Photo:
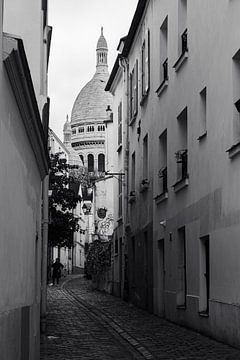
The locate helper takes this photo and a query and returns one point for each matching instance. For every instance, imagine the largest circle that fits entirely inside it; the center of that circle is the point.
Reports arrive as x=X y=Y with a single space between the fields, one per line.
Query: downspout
x=123 y=62
x=44 y=253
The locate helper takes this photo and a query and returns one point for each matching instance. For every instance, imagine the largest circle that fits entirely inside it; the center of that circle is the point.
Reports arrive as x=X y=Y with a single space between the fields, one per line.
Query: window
x=163 y=181
x=145 y=64
x=182 y=274
x=184 y=42
x=134 y=91
x=101 y=128
x=90 y=128
x=161 y=273
x=101 y=163
x=90 y=163
x=203 y=113
x=133 y=172
x=120 y=124
x=82 y=158
x=236 y=96
x=119 y=198
x=145 y=158
x=74 y=131
x=182 y=153
x=182 y=34
x=182 y=26
x=164 y=51
x=204 y=275
x=81 y=129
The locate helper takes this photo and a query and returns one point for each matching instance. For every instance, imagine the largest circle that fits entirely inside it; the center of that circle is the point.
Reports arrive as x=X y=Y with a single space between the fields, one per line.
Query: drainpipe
x=123 y=62
x=44 y=253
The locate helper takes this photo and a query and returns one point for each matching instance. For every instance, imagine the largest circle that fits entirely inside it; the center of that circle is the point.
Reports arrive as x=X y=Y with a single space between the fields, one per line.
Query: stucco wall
x=210 y=204
x=29 y=28
x=20 y=243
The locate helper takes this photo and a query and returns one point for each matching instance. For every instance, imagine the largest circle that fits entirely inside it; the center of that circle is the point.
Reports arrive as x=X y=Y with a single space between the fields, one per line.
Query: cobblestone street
x=87 y=324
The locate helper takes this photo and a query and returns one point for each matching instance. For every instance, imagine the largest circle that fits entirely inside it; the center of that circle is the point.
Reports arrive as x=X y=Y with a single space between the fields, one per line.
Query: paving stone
x=87 y=324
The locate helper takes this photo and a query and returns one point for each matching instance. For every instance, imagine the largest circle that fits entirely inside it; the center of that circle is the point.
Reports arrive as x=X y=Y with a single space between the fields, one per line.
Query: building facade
x=182 y=221
x=24 y=168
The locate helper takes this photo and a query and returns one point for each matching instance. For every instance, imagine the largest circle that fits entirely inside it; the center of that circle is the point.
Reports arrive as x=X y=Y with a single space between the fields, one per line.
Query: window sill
x=181 y=60
x=204 y=314
x=119 y=148
x=203 y=136
x=234 y=150
x=181 y=184
x=144 y=97
x=161 y=197
x=162 y=87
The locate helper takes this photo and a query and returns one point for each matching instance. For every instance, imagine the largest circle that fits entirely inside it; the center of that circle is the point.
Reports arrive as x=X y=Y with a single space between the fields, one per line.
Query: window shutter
x=136 y=87
x=131 y=95
x=120 y=123
x=147 y=60
x=143 y=68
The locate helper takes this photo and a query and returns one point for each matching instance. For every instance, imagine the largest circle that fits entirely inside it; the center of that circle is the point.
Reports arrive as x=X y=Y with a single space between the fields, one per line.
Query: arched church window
x=81 y=157
x=90 y=163
x=101 y=162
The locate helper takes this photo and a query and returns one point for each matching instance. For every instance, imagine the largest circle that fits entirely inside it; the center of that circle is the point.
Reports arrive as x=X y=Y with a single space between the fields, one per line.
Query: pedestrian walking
x=57 y=266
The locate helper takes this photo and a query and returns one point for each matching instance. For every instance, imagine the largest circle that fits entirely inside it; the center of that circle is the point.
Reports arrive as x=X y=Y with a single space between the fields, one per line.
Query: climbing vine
x=98 y=258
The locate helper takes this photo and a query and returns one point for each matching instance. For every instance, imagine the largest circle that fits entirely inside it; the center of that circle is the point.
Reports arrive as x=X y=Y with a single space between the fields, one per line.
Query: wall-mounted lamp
x=163 y=223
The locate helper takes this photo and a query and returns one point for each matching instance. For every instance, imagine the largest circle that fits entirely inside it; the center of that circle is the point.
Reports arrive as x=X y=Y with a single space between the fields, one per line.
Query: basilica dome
x=92 y=101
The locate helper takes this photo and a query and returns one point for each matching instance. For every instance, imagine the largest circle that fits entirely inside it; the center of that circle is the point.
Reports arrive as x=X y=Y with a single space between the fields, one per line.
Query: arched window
x=90 y=163
x=81 y=157
x=101 y=162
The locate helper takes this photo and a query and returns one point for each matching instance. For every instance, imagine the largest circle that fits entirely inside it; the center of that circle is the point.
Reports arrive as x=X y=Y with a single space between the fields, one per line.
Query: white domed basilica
x=89 y=114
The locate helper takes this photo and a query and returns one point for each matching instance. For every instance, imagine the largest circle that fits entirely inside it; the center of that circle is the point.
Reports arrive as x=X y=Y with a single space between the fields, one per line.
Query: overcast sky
x=76 y=29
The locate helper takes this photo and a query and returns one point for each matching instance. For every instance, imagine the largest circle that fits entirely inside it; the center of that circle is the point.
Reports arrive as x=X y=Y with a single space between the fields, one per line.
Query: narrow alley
x=87 y=324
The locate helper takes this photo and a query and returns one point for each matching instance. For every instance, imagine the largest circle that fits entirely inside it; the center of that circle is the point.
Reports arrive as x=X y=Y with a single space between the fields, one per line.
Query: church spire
x=102 y=50
x=67 y=132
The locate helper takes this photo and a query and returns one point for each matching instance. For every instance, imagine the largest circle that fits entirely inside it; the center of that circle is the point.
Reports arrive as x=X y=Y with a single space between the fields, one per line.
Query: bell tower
x=102 y=51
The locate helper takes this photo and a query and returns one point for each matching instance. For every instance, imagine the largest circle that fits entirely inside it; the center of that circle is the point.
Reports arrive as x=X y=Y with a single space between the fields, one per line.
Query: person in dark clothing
x=57 y=266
